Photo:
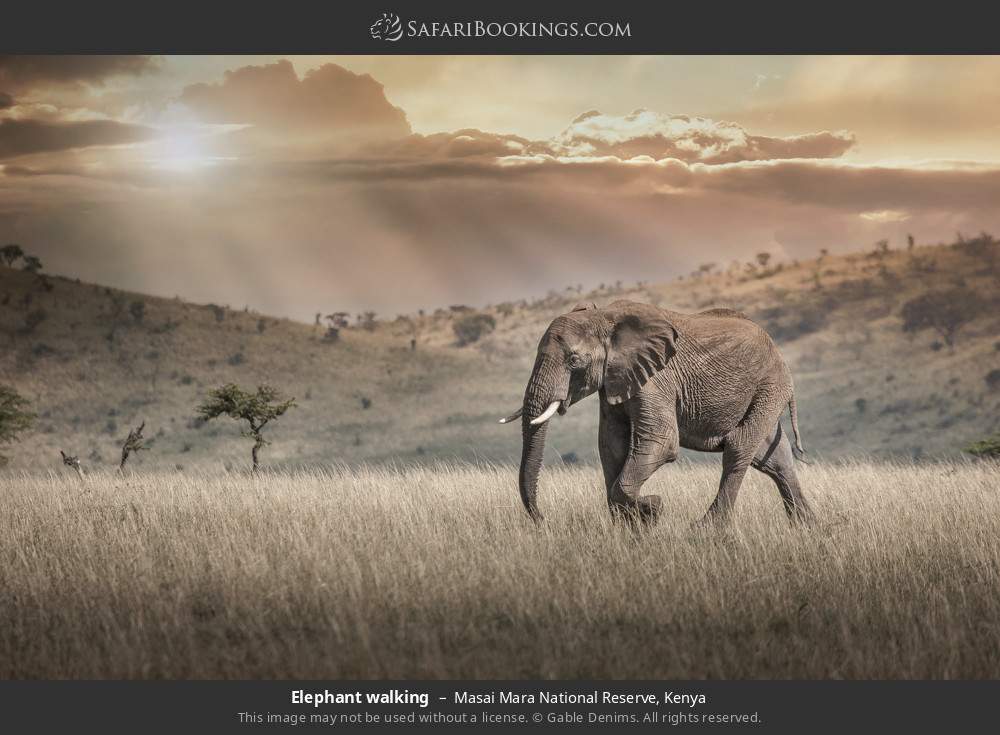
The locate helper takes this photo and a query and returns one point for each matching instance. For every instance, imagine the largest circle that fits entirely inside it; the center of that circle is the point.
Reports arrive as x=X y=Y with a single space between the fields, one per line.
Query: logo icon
x=387 y=28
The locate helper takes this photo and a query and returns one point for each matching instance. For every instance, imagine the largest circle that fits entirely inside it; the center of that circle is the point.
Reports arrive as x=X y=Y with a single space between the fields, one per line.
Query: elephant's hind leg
x=775 y=459
x=740 y=448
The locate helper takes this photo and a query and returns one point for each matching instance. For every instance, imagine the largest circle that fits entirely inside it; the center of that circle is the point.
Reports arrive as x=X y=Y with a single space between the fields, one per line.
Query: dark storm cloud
x=25 y=137
x=329 y=100
x=21 y=72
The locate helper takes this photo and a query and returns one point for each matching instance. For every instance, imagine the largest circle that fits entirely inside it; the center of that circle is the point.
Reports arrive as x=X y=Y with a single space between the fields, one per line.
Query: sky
x=295 y=185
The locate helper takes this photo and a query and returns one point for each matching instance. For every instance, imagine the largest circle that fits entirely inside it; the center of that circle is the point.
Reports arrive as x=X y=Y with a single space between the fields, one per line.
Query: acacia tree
x=14 y=417
x=946 y=312
x=10 y=253
x=257 y=409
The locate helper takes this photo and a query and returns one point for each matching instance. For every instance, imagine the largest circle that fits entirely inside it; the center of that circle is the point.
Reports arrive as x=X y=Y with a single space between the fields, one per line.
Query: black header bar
x=450 y=27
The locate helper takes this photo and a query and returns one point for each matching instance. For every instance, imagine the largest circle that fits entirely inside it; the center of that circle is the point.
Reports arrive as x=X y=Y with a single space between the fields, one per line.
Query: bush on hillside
x=946 y=312
x=472 y=327
x=788 y=323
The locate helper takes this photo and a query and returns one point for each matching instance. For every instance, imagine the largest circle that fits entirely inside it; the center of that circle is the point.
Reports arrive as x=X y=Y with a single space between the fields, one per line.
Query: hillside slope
x=95 y=361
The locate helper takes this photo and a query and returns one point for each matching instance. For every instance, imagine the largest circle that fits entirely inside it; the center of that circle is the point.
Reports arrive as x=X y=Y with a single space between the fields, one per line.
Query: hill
x=96 y=361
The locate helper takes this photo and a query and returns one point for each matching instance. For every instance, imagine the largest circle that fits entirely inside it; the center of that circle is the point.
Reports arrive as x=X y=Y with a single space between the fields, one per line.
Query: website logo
x=387 y=28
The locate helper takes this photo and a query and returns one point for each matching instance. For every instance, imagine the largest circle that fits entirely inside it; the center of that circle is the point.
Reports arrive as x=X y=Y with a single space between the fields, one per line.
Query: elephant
x=712 y=382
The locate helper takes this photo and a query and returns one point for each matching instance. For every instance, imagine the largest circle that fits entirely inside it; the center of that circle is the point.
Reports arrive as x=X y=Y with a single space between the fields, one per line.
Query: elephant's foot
x=649 y=509
x=639 y=515
x=714 y=518
x=802 y=517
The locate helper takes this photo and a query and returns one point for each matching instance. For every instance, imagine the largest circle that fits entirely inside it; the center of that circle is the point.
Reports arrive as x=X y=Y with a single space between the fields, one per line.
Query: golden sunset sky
x=304 y=184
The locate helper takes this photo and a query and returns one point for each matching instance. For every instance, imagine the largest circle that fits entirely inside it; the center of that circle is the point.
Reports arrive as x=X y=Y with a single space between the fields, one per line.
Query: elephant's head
x=615 y=350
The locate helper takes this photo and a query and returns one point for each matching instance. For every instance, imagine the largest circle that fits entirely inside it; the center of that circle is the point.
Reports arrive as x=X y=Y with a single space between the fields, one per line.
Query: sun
x=182 y=149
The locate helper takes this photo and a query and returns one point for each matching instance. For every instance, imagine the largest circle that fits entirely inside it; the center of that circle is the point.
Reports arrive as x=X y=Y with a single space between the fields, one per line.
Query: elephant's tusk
x=515 y=415
x=553 y=407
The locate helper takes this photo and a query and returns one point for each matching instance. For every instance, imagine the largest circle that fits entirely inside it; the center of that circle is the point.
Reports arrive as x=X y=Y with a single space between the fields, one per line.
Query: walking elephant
x=712 y=382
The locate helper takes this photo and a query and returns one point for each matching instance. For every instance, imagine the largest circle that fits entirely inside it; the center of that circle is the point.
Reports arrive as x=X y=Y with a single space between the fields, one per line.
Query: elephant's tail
x=794 y=414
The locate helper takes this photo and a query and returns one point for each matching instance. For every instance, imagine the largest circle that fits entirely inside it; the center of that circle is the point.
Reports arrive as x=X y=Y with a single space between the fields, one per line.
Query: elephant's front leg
x=643 y=433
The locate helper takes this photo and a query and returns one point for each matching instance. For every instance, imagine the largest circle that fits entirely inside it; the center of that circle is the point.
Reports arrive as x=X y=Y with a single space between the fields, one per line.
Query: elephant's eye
x=576 y=361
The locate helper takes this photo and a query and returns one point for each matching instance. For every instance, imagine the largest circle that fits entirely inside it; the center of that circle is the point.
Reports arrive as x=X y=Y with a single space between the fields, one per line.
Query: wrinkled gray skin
x=713 y=382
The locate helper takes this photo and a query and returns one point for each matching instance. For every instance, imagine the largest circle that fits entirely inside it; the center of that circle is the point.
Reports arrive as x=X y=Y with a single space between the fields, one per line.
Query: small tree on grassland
x=257 y=409
x=14 y=417
x=988 y=448
x=946 y=312
x=10 y=253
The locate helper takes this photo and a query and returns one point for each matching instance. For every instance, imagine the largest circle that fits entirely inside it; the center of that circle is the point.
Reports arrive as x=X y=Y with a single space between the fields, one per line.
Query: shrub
x=976 y=247
x=787 y=323
x=33 y=318
x=14 y=417
x=138 y=311
x=988 y=448
x=946 y=312
x=31 y=264
x=472 y=327
x=993 y=378
x=570 y=458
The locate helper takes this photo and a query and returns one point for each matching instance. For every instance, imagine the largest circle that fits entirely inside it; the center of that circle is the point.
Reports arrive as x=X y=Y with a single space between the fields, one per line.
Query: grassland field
x=435 y=572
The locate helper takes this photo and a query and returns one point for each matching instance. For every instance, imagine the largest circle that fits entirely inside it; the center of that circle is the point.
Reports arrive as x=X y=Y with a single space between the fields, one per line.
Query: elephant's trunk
x=546 y=386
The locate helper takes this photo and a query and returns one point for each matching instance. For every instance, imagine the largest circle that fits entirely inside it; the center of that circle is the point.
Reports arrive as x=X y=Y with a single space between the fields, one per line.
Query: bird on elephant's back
x=712 y=382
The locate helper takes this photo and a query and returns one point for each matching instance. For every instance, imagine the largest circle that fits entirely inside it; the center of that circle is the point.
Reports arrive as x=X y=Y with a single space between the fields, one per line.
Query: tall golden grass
x=436 y=572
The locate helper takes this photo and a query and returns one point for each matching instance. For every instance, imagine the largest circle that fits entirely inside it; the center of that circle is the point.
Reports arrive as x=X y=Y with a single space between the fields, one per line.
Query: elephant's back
x=724 y=312
x=730 y=336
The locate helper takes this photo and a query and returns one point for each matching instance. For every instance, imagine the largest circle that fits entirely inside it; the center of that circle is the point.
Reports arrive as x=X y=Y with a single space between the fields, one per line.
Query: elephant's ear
x=585 y=306
x=642 y=339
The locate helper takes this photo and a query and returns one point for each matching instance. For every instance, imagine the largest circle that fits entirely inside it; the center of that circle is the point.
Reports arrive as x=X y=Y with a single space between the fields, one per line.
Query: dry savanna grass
x=436 y=572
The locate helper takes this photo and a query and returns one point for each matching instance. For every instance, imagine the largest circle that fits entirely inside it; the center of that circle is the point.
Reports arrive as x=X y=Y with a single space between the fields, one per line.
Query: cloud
x=25 y=137
x=370 y=215
x=640 y=135
x=467 y=143
x=328 y=102
x=21 y=73
x=6 y=101
x=885 y=215
x=690 y=139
